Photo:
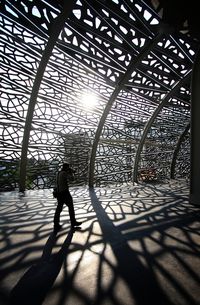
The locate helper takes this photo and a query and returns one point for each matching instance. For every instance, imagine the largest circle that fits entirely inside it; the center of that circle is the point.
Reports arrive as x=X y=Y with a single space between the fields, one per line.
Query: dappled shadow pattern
x=37 y=281
x=138 y=245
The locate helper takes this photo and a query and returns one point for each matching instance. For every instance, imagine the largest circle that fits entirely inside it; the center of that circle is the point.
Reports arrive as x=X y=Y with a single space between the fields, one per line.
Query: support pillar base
x=194 y=199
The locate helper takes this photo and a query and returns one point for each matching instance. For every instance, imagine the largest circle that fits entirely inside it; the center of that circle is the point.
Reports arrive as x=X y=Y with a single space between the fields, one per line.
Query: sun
x=89 y=100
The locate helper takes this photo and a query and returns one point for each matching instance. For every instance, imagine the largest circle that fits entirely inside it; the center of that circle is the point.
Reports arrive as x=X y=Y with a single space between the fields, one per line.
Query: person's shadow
x=33 y=287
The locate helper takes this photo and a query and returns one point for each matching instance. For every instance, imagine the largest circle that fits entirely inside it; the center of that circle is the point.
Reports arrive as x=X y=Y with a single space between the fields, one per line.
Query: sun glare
x=89 y=100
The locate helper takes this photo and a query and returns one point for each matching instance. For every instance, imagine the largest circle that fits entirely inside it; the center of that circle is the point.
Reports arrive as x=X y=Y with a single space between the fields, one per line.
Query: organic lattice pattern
x=104 y=48
x=162 y=139
x=182 y=168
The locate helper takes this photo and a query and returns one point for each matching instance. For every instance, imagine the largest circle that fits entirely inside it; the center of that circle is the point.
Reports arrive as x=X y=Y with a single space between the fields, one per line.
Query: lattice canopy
x=103 y=85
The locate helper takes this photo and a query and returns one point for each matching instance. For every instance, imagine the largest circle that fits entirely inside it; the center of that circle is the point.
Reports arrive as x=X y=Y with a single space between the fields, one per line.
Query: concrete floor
x=137 y=245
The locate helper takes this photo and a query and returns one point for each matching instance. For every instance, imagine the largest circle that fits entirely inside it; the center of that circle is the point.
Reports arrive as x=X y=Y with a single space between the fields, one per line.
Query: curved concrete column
x=195 y=128
x=114 y=95
x=177 y=149
x=150 y=122
x=55 y=31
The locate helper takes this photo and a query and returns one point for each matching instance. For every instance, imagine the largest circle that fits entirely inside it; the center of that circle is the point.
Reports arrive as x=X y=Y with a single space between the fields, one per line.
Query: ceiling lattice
x=113 y=98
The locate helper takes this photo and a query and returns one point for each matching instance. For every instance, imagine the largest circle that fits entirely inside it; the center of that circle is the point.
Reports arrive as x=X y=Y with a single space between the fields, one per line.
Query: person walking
x=64 y=197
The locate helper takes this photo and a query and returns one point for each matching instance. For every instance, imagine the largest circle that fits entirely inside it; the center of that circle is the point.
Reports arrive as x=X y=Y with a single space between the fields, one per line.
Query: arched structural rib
x=114 y=95
x=150 y=122
x=55 y=31
x=195 y=127
x=176 y=151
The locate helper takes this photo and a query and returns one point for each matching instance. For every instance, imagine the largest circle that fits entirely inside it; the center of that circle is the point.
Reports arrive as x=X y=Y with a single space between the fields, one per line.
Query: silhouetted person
x=64 y=196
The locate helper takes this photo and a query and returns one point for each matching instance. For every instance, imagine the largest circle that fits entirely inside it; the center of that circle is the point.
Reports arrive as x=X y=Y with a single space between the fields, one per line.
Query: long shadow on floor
x=33 y=287
x=119 y=272
x=140 y=279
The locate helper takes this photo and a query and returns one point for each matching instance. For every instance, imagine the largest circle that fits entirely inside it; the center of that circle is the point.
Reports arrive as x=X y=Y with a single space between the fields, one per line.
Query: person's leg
x=57 y=214
x=70 y=204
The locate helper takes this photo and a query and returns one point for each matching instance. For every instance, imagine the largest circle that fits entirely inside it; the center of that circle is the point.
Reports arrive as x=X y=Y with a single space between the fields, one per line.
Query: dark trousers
x=64 y=198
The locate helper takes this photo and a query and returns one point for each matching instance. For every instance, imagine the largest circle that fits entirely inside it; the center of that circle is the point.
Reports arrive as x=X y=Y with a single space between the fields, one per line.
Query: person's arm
x=71 y=174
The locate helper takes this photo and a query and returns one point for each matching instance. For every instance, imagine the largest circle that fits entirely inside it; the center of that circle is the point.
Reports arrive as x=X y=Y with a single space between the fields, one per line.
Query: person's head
x=65 y=166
